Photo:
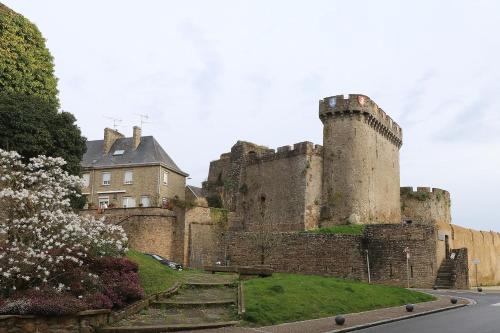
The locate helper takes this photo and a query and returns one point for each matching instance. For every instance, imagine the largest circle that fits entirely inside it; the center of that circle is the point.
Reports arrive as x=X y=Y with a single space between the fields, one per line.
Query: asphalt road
x=483 y=317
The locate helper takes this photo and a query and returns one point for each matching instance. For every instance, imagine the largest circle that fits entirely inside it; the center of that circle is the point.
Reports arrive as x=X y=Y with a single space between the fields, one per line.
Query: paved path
x=324 y=325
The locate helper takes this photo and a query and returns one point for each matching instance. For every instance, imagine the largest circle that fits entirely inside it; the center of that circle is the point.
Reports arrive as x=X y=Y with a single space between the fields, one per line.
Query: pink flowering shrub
x=43 y=302
x=48 y=250
x=120 y=280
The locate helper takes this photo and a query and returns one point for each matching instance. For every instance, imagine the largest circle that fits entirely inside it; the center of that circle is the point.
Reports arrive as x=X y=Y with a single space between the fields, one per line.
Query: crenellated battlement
x=425 y=205
x=361 y=105
x=410 y=190
x=301 y=148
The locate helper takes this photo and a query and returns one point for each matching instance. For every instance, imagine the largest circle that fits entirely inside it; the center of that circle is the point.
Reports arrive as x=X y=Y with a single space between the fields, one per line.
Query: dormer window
x=118 y=152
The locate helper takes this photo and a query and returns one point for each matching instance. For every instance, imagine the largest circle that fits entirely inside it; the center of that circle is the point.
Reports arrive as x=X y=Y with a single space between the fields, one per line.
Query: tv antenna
x=115 y=122
x=143 y=119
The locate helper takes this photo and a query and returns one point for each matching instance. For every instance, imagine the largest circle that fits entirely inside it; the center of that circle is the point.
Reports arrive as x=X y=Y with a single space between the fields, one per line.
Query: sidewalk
x=353 y=321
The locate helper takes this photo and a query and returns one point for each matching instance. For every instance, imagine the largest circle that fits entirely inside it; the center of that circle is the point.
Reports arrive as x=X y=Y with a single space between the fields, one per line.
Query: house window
x=128 y=177
x=103 y=202
x=165 y=178
x=128 y=202
x=145 y=201
x=106 y=178
x=86 y=179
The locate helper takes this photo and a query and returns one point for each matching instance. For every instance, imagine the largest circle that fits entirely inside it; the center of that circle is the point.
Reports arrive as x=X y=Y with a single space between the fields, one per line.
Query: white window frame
x=146 y=197
x=165 y=177
x=106 y=182
x=128 y=202
x=102 y=200
x=131 y=181
x=86 y=179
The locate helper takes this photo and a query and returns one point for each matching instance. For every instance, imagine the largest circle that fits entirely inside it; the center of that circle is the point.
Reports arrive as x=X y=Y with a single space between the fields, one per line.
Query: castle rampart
x=356 y=105
x=360 y=162
x=425 y=205
x=279 y=187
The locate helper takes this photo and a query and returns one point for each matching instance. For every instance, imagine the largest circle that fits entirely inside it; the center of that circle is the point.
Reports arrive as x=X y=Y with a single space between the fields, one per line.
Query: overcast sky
x=208 y=73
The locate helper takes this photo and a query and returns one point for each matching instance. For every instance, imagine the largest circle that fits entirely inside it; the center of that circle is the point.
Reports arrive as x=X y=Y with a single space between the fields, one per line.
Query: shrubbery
x=53 y=261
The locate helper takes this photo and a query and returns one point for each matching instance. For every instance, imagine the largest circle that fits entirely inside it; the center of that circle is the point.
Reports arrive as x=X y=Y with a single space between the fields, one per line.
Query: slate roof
x=149 y=152
x=197 y=191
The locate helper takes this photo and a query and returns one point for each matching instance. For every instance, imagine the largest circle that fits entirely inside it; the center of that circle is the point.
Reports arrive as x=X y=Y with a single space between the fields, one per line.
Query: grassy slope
x=348 y=229
x=154 y=276
x=289 y=297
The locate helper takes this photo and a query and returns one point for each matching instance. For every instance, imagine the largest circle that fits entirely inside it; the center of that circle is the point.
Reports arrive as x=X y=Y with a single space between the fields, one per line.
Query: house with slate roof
x=130 y=172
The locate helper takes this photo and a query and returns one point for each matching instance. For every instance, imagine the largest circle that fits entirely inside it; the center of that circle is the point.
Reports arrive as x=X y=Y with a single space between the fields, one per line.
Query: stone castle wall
x=433 y=207
x=344 y=256
x=425 y=205
x=360 y=162
x=149 y=230
x=280 y=188
x=482 y=245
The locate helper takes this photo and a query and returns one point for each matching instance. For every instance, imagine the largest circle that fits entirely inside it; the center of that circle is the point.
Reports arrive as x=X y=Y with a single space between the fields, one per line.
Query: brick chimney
x=137 y=137
x=110 y=136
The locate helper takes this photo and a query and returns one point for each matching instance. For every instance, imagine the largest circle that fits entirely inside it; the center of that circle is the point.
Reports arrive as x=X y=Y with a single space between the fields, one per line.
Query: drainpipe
x=92 y=187
x=159 y=191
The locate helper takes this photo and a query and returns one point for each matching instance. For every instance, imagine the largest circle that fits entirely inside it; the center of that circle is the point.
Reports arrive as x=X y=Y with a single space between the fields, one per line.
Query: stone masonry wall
x=283 y=187
x=360 y=162
x=344 y=256
x=425 y=205
x=386 y=245
x=305 y=253
x=152 y=230
x=482 y=245
x=285 y=184
x=82 y=322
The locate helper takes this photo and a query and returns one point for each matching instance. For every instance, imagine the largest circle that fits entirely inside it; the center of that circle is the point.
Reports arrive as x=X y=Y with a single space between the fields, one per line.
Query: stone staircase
x=207 y=302
x=444 y=279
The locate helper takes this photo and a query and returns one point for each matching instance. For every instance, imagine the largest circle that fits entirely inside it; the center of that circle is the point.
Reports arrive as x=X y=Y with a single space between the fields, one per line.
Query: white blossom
x=39 y=233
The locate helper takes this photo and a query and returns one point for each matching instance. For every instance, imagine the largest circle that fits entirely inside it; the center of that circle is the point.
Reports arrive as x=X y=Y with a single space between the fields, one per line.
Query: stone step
x=164 y=328
x=174 y=303
x=209 y=284
x=442 y=287
x=443 y=282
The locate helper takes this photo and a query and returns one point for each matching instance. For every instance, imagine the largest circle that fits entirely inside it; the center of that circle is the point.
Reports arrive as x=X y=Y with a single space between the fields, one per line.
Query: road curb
x=391 y=320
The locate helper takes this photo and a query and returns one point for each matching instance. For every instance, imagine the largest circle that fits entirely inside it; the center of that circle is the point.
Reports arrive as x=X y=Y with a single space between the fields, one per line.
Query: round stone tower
x=360 y=162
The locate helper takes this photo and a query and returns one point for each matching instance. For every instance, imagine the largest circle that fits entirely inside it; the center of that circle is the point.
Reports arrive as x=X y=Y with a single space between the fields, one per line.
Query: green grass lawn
x=347 y=229
x=290 y=297
x=156 y=277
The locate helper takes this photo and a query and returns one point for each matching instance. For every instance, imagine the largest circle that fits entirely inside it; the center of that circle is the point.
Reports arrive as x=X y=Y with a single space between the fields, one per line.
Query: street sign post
x=476 y=262
x=407 y=251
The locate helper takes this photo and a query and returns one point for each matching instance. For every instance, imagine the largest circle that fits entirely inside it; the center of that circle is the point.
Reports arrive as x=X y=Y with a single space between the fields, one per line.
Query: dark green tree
x=32 y=126
x=30 y=122
x=26 y=65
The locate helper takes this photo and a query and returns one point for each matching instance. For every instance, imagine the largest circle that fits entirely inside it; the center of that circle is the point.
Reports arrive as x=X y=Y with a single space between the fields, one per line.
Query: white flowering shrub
x=41 y=238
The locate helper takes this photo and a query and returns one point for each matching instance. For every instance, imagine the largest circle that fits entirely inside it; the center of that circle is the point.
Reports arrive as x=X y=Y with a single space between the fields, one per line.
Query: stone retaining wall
x=345 y=256
x=83 y=322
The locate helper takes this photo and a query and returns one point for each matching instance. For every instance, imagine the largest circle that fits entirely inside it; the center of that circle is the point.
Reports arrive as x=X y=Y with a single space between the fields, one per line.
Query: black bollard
x=340 y=320
x=479 y=289
x=409 y=307
x=453 y=300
